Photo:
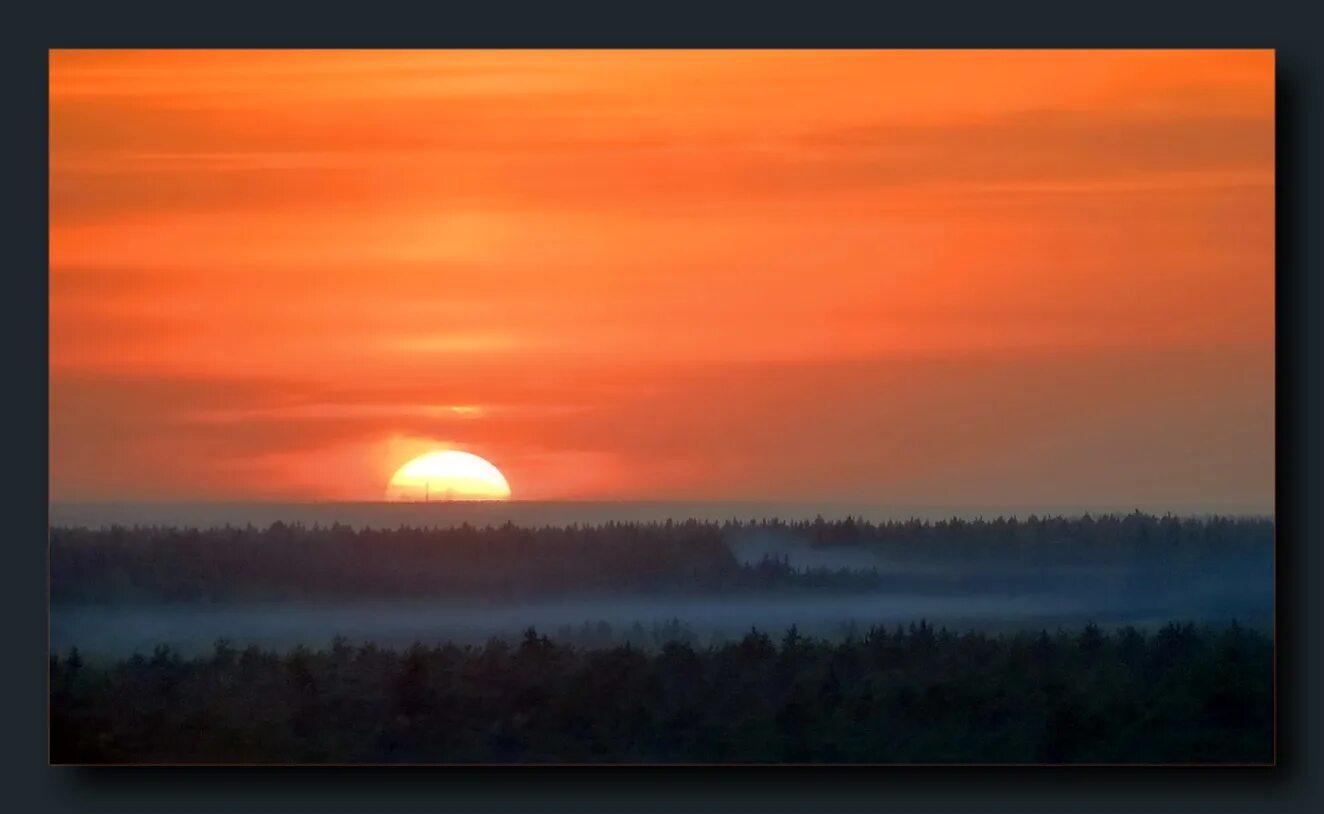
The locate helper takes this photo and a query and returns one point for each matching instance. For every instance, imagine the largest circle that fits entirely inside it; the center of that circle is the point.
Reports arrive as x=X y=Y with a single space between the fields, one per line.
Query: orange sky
x=943 y=277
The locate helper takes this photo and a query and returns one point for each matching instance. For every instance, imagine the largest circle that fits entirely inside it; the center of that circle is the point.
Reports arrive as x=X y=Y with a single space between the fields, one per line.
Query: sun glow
x=448 y=475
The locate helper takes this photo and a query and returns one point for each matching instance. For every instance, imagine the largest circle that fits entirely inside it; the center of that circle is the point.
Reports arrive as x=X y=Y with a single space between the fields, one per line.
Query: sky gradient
x=943 y=277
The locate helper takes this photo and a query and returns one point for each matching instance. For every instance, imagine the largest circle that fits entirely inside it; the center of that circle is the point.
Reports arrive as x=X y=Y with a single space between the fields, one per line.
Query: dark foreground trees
x=1180 y=694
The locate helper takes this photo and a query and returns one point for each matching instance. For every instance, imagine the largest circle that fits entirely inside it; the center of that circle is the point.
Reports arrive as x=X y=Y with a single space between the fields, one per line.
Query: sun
x=448 y=475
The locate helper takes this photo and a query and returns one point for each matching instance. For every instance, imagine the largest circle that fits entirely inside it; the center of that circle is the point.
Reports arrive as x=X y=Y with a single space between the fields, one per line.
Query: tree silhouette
x=1182 y=694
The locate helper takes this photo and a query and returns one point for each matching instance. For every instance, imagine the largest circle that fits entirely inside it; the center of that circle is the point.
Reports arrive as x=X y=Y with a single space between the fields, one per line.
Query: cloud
x=211 y=132
x=1034 y=147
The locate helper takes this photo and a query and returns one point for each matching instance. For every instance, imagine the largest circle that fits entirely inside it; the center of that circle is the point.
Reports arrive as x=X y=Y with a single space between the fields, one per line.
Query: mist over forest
x=1121 y=637
x=293 y=561
x=122 y=590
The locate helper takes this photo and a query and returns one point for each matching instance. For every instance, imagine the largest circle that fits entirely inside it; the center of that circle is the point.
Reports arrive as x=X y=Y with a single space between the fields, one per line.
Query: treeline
x=1180 y=694
x=292 y=561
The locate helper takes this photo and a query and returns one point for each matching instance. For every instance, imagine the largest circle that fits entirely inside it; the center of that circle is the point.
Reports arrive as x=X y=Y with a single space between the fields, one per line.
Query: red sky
x=943 y=277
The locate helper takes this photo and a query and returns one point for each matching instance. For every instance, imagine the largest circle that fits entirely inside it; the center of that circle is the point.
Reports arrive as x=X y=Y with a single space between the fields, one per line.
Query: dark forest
x=1137 y=551
x=914 y=695
x=1004 y=690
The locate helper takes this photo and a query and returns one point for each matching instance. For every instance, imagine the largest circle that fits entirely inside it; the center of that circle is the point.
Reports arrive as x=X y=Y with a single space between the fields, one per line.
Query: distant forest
x=1179 y=694
x=283 y=561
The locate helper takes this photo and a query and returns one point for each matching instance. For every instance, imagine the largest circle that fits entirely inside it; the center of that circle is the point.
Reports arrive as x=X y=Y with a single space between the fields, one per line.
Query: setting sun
x=789 y=355
x=448 y=475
